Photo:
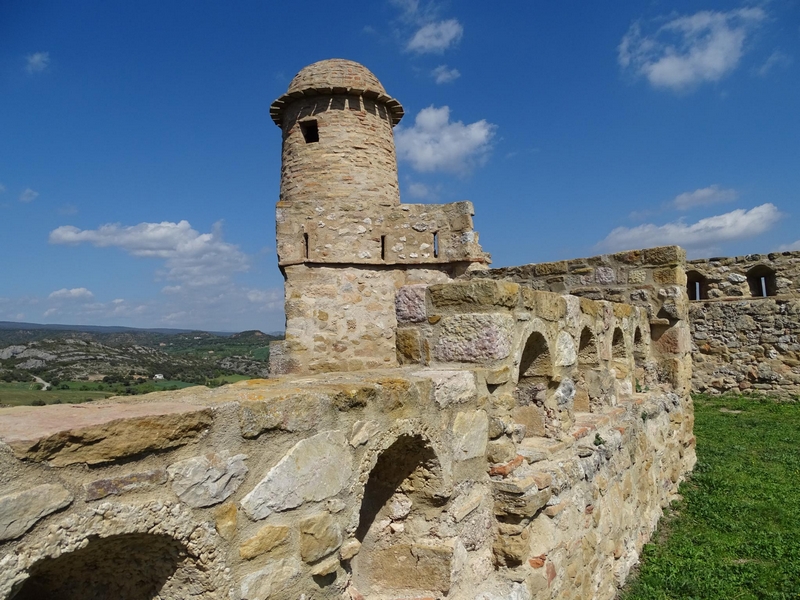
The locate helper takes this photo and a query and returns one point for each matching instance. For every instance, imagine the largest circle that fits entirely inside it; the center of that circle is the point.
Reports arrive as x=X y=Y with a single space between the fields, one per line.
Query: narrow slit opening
x=764 y=287
x=305 y=245
x=435 y=244
x=383 y=247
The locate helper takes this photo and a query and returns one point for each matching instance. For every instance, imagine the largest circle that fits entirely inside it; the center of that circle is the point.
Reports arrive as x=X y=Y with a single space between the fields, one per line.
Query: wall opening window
x=383 y=247
x=435 y=244
x=762 y=282
x=305 y=245
x=696 y=286
x=310 y=131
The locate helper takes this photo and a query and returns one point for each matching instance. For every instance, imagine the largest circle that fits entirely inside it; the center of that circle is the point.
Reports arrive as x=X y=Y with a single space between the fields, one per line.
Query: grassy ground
x=20 y=394
x=736 y=533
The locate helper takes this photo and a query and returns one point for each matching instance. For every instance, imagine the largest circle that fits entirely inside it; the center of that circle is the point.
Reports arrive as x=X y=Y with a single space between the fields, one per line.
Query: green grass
x=23 y=394
x=736 y=533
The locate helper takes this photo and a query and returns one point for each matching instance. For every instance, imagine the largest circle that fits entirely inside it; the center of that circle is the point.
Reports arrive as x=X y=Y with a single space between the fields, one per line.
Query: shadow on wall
x=123 y=567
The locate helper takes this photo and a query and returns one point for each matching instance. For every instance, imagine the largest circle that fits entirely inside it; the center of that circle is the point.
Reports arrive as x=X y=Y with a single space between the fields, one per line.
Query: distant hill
x=99 y=328
x=67 y=352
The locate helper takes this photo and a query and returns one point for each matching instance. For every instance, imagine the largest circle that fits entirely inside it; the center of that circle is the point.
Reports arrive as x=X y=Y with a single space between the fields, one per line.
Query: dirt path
x=45 y=386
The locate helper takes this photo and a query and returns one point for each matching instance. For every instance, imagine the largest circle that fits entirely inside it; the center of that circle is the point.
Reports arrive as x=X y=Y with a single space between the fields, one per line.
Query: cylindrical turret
x=338 y=144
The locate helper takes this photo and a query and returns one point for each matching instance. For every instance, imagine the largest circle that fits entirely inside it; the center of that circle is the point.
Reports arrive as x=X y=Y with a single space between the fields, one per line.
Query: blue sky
x=139 y=168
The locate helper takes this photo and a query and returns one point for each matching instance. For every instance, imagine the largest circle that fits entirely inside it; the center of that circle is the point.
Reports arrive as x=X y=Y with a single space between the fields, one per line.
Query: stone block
x=521 y=505
x=293 y=412
x=477 y=293
x=546 y=305
x=590 y=308
x=470 y=435
x=274 y=578
x=551 y=268
x=409 y=349
x=116 y=486
x=409 y=304
x=420 y=566
x=97 y=433
x=21 y=510
x=605 y=275
x=564 y=354
x=314 y=469
x=320 y=535
x=207 y=480
x=474 y=338
x=225 y=520
x=451 y=387
x=533 y=417
x=637 y=277
x=664 y=255
x=265 y=540
x=670 y=276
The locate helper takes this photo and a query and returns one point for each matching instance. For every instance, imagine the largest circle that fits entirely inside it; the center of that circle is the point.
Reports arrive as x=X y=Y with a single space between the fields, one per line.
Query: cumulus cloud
x=28 y=195
x=689 y=50
x=434 y=143
x=735 y=225
x=37 y=62
x=192 y=258
x=436 y=37
x=71 y=294
x=421 y=191
x=703 y=196
x=788 y=247
x=775 y=60
x=442 y=74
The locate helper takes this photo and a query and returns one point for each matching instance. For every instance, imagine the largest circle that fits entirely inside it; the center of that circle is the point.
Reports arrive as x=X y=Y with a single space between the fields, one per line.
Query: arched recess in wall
x=639 y=357
x=696 y=285
x=587 y=396
x=534 y=387
x=762 y=281
x=619 y=354
x=399 y=498
x=125 y=567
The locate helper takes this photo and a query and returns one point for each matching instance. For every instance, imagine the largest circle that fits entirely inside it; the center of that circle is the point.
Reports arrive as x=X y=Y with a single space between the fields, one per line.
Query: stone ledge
x=99 y=433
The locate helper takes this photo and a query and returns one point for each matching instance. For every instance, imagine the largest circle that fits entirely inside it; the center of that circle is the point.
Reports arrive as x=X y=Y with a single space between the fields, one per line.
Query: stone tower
x=345 y=242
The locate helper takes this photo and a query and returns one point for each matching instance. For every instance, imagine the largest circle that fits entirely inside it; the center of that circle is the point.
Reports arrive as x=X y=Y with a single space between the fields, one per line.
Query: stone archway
x=401 y=498
x=535 y=407
x=119 y=551
x=589 y=394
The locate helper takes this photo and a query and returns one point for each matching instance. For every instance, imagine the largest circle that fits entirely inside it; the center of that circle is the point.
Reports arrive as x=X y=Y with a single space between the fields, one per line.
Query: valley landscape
x=51 y=364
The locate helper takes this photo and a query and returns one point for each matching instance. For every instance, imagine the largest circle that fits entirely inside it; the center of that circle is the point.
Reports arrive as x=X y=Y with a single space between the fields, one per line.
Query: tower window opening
x=310 y=131
x=383 y=247
x=305 y=245
x=435 y=244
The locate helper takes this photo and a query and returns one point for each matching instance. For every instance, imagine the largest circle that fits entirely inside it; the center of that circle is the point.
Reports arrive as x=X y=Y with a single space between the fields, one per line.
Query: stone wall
x=743 y=341
x=653 y=279
x=409 y=482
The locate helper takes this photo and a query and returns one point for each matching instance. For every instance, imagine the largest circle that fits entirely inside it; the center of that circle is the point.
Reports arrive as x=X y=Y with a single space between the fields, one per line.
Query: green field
x=736 y=533
x=21 y=394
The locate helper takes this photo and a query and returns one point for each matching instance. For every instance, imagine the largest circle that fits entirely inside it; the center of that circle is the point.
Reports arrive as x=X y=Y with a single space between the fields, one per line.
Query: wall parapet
x=322 y=485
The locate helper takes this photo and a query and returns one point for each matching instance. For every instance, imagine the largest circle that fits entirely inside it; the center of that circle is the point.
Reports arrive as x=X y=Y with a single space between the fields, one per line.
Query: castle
x=438 y=429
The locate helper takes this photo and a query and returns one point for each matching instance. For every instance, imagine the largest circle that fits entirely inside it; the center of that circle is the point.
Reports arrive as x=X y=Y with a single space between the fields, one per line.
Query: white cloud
x=789 y=247
x=442 y=74
x=68 y=209
x=689 y=50
x=421 y=191
x=192 y=258
x=776 y=59
x=73 y=294
x=735 y=225
x=436 y=144
x=50 y=312
x=436 y=36
x=703 y=196
x=28 y=195
x=37 y=62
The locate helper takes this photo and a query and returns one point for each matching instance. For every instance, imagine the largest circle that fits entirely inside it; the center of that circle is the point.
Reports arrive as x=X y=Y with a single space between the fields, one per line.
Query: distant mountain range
x=116 y=329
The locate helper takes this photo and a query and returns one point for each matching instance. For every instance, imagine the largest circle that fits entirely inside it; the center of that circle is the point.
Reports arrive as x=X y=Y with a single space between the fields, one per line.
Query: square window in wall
x=310 y=131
